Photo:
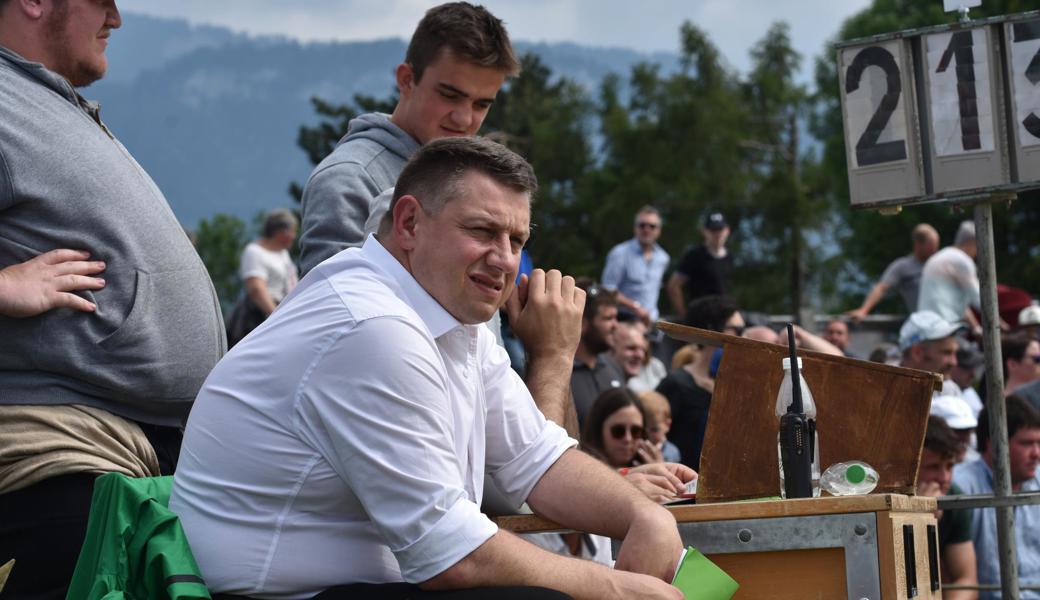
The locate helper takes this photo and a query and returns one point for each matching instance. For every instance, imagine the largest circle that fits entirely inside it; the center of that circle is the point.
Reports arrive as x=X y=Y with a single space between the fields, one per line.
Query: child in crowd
x=660 y=422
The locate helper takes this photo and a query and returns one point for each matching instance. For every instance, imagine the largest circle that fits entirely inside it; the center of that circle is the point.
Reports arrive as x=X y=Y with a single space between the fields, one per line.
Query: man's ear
x=406 y=215
x=32 y=9
x=405 y=77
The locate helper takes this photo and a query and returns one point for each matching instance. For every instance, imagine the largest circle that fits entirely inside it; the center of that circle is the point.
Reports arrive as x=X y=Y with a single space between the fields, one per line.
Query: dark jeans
x=42 y=526
x=407 y=591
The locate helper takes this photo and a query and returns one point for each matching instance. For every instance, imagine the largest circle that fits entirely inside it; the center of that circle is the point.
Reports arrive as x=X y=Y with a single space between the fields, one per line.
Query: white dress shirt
x=347 y=439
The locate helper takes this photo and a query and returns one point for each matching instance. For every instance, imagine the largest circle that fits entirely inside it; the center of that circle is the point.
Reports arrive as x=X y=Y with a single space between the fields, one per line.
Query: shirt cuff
x=462 y=529
x=518 y=477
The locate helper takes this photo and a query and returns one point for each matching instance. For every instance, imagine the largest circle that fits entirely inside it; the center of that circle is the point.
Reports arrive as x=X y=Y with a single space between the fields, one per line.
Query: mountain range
x=213 y=115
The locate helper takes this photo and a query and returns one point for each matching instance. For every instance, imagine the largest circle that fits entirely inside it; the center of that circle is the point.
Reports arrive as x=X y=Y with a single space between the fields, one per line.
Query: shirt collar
x=438 y=320
x=638 y=249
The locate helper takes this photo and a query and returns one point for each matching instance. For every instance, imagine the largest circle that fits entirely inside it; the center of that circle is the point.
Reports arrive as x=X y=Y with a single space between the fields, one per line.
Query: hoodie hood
x=378 y=128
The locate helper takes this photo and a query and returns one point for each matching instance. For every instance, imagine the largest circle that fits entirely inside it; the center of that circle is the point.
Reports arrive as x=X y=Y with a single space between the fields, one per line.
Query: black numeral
x=868 y=150
x=960 y=50
x=1025 y=32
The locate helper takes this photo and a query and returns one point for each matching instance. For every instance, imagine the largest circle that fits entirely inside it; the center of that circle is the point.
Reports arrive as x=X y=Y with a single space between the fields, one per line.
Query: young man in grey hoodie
x=96 y=375
x=458 y=58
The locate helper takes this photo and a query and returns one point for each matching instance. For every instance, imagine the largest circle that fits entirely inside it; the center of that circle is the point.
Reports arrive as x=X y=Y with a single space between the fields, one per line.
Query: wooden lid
x=866 y=411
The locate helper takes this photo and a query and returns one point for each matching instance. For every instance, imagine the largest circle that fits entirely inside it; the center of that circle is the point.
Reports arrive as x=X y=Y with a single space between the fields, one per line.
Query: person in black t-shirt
x=935 y=478
x=705 y=269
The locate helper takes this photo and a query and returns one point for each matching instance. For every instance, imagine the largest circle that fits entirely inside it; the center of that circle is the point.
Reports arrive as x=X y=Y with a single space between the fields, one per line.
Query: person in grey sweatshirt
x=457 y=60
x=108 y=319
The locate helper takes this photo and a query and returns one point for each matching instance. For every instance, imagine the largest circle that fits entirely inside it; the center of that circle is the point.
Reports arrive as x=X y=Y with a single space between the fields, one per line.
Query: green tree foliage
x=869 y=240
x=545 y=120
x=675 y=144
x=219 y=242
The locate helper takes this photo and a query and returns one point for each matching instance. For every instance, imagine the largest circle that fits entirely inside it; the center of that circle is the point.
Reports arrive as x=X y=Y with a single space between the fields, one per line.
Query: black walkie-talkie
x=796 y=441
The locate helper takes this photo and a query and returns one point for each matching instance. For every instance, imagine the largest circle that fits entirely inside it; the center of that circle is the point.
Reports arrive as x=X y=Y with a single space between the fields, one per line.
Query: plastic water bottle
x=783 y=401
x=849 y=478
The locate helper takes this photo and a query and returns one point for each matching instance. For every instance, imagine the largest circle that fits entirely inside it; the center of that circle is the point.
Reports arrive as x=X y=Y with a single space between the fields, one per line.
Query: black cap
x=715 y=221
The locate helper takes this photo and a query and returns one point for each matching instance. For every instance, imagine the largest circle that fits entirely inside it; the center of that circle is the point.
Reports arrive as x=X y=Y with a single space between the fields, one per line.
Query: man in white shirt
x=347 y=439
x=950 y=282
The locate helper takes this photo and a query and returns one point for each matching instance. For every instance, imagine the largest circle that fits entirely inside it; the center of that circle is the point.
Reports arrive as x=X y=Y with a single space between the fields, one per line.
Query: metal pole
x=995 y=406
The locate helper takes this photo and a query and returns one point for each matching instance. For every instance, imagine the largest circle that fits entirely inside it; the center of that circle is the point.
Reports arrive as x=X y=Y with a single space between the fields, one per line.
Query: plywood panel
x=787 y=575
x=865 y=411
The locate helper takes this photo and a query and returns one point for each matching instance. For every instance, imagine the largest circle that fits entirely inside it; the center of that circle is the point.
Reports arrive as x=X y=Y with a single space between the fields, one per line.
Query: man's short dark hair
x=595 y=296
x=1020 y=415
x=711 y=312
x=1013 y=346
x=434 y=173
x=939 y=438
x=469 y=32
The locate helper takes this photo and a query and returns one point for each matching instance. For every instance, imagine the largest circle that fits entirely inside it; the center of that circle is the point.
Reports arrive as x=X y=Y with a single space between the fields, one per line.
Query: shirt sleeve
x=521 y=443
x=252 y=264
x=383 y=420
x=613 y=269
x=892 y=273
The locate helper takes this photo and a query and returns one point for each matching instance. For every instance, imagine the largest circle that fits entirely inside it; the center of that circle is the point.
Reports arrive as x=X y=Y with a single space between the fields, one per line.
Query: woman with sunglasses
x=615 y=430
x=615 y=433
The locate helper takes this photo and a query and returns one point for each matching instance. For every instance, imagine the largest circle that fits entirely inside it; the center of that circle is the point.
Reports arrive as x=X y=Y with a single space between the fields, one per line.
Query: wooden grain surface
x=865 y=411
x=756 y=510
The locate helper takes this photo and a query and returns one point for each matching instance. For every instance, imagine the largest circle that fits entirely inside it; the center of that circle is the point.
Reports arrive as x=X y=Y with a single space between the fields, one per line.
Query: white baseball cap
x=1030 y=315
x=954 y=410
x=924 y=326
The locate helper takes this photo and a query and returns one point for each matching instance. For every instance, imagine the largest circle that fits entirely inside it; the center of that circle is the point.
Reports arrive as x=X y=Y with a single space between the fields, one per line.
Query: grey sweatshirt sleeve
x=335 y=207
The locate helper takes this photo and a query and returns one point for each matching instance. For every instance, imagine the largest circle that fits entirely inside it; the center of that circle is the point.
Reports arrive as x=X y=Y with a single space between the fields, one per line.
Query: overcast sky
x=734 y=25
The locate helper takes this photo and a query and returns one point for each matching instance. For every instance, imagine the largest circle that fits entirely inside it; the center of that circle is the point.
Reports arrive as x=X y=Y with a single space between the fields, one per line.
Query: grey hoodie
x=338 y=196
x=66 y=182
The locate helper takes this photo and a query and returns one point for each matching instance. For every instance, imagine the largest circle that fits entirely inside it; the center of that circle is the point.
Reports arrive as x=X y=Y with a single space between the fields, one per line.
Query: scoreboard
x=942 y=113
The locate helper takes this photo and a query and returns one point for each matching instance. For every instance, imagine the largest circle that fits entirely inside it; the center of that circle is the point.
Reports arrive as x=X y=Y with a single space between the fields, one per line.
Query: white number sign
x=1025 y=75
x=875 y=104
x=959 y=85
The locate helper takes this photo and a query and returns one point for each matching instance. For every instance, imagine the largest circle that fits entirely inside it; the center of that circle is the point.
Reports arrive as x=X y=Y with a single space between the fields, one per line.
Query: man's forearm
x=875 y=296
x=675 y=295
x=549 y=380
x=256 y=289
x=506 y=560
x=582 y=493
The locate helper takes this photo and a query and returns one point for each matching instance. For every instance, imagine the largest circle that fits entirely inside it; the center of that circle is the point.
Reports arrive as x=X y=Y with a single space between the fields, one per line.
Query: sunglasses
x=618 y=431
x=645 y=225
x=732 y=330
x=1034 y=357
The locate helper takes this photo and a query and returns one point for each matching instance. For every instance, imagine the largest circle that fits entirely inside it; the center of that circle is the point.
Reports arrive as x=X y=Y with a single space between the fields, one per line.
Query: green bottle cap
x=855 y=474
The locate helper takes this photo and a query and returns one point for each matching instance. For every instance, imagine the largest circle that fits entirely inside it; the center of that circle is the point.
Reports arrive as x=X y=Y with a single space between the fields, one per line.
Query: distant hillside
x=213 y=115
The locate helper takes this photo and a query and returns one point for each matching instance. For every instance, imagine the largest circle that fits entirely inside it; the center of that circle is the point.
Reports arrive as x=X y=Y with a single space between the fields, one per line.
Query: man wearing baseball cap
x=935 y=478
x=704 y=270
x=928 y=343
x=956 y=413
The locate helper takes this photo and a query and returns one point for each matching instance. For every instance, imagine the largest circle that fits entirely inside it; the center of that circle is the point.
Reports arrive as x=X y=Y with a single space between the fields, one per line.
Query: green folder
x=700 y=579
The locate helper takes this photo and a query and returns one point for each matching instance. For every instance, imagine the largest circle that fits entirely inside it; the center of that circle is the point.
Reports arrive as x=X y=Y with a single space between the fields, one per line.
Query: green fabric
x=700 y=579
x=135 y=548
x=955 y=525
